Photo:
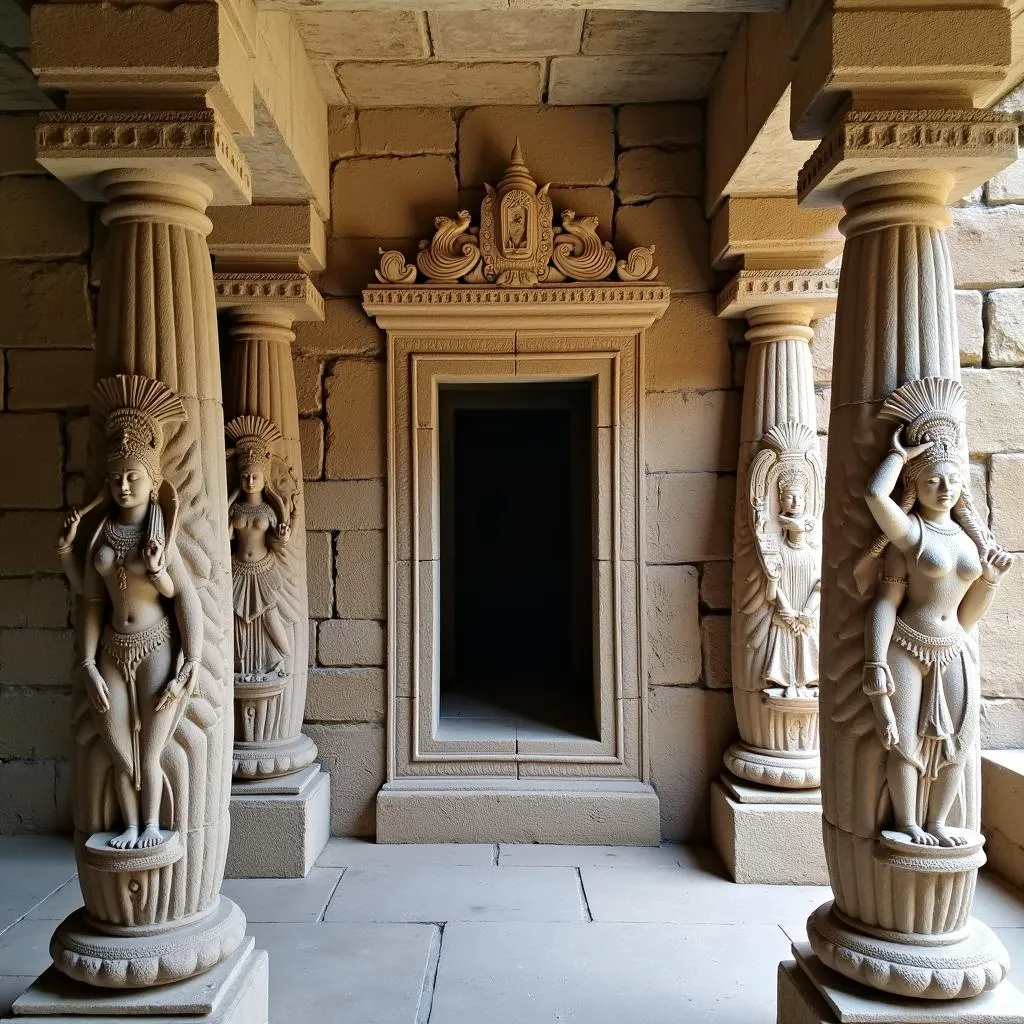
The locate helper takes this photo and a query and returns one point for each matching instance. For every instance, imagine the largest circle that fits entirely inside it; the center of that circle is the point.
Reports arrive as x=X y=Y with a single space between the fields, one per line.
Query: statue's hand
x=96 y=688
x=908 y=453
x=995 y=563
x=153 y=556
x=69 y=530
x=284 y=532
x=885 y=718
x=184 y=680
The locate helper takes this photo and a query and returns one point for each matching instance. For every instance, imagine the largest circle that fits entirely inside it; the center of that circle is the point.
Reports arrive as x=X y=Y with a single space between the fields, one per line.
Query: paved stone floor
x=495 y=934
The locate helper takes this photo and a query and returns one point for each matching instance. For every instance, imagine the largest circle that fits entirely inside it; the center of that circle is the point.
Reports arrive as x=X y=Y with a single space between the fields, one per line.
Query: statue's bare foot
x=943 y=836
x=127 y=839
x=919 y=836
x=151 y=837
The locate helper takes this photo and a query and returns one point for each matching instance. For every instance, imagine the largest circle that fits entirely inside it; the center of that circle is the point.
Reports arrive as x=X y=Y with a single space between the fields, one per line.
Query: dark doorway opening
x=516 y=564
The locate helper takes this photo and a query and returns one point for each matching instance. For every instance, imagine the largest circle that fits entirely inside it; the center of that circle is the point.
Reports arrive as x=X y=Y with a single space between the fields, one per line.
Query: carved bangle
x=901 y=454
x=874 y=689
x=64 y=549
x=988 y=582
x=87 y=662
x=894 y=579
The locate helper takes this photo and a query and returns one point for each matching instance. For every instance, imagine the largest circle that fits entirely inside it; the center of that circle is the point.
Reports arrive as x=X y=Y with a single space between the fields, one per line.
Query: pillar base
x=269 y=760
x=769 y=837
x=279 y=826
x=973 y=963
x=774 y=768
x=810 y=993
x=233 y=992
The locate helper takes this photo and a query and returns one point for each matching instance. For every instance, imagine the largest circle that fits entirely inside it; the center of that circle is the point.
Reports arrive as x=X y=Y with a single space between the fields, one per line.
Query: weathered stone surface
x=673 y=626
x=821 y=348
x=716 y=585
x=976 y=245
x=689 y=517
x=327 y=80
x=346 y=695
x=563 y=147
x=1007 y=186
x=1000 y=638
x=341 y=131
x=1004 y=323
x=345 y=330
x=679 y=232
x=352 y=261
x=1006 y=498
x=391 y=197
x=994 y=401
x=355 y=420
x=37 y=657
x=36 y=723
x=692 y=431
x=351 y=642
x=353 y=756
x=648 y=173
x=343 y=505
x=633 y=79
x=363 y=35
x=645 y=32
x=26 y=542
x=34 y=602
x=45 y=305
x=42 y=218
x=31 y=799
x=49 y=379
x=311 y=441
x=970 y=327
x=18 y=87
x=504 y=35
x=406 y=131
x=716 y=651
x=308 y=369
x=688 y=348
x=320 y=574
x=34 y=441
x=661 y=124
x=440 y=83
x=690 y=729
x=18 y=145
x=586 y=201
x=361 y=567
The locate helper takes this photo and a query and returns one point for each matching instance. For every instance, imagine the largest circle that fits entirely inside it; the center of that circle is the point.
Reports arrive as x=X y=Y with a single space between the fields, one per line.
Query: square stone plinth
x=607 y=812
x=234 y=992
x=811 y=993
x=768 y=837
x=279 y=826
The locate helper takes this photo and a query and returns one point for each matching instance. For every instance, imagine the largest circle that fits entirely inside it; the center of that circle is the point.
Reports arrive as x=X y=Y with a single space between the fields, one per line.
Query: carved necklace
x=952 y=531
x=123 y=539
x=254 y=510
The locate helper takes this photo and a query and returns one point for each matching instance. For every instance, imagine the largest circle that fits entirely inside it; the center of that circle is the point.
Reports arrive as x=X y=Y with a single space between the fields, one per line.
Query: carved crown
x=516 y=244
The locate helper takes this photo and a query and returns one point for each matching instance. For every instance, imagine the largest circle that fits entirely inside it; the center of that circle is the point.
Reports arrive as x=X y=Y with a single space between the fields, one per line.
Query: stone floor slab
x=358 y=973
x=284 y=900
x=436 y=893
x=690 y=897
x=505 y=973
x=11 y=986
x=31 y=867
x=342 y=852
x=998 y=903
x=57 y=906
x=25 y=948
x=546 y=855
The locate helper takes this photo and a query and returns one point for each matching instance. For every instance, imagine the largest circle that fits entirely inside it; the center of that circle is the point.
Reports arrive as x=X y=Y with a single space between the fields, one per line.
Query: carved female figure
x=140 y=627
x=940 y=566
x=260 y=529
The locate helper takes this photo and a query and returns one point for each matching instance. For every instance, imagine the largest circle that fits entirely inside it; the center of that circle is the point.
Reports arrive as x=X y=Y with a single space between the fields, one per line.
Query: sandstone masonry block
x=692 y=431
x=29 y=797
x=977 y=237
x=821 y=349
x=18 y=145
x=562 y=147
x=979 y=487
x=679 y=232
x=346 y=695
x=1006 y=497
x=345 y=330
x=34 y=602
x=646 y=32
x=354 y=756
x=406 y=131
x=308 y=369
x=994 y=402
x=970 y=328
x=361 y=571
x=351 y=642
x=716 y=585
x=77 y=431
x=311 y=440
x=49 y=379
x=37 y=657
x=37 y=723
x=648 y=173
x=504 y=34
x=822 y=408
x=1004 y=323
x=352 y=261
x=341 y=505
x=33 y=440
x=661 y=124
x=355 y=420
x=1000 y=638
x=391 y=196
x=362 y=35
x=633 y=78
x=42 y=218
x=28 y=542
x=1007 y=186
x=341 y=132
x=584 y=201
x=673 y=626
x=716 y=651
x=320 y=574
x=688 y=348
x=689 y=517
x=45 y=305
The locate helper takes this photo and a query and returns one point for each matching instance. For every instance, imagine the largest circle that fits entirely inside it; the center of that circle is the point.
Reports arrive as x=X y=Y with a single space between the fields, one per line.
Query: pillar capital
x=270 y=298
x=792 y=297
x=269 y=237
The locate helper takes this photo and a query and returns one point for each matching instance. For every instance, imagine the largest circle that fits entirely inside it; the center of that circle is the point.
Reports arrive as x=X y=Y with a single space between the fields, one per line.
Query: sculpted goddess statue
x=140 y=626
x=939 y=569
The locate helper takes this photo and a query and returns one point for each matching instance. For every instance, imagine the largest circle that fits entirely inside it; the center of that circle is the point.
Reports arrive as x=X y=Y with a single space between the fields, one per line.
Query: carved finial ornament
x=516 y=244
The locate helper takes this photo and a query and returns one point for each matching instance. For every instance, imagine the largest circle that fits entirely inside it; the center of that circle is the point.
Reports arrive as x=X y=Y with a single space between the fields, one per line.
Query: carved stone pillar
x=280 y=798
x=908 y=568
x=152 y=723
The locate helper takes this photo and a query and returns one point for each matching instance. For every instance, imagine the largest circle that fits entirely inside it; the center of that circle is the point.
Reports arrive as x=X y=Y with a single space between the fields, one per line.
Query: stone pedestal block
x=604 y=812
x=765 y=836
x=234 y=992
x=810 y=993
x=279 y=826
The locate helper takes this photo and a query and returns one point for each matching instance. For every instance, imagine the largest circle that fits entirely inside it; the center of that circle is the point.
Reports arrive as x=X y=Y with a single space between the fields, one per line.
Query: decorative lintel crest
x=516 y=244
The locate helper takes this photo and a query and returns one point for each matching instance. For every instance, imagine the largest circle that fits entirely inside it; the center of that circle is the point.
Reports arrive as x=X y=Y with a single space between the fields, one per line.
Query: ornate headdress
x=136 y=412
x=932 y=409
x=788 y=454
x=255 y=440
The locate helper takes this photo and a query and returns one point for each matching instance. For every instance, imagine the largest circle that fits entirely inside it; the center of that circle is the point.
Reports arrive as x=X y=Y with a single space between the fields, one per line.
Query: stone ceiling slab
x=504 y=34
x=637 y=79
x=328 y=82
x=363 y=35
x=642 y=32
x=441 y=83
